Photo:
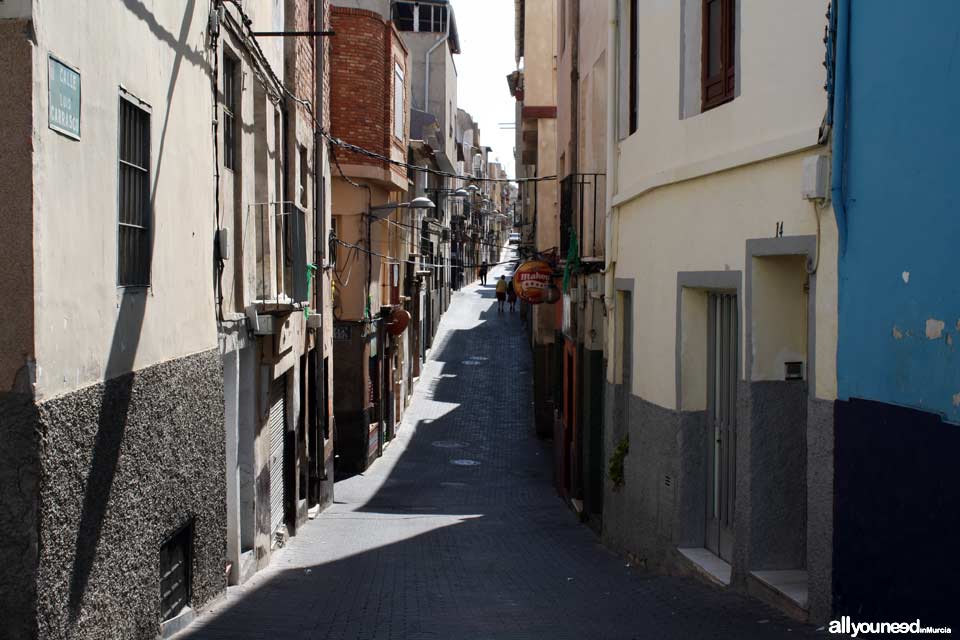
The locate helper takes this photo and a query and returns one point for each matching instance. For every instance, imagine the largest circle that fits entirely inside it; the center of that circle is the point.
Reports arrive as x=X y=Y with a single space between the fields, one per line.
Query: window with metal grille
x=176 y=559
x=135 y=219
x=229 y=113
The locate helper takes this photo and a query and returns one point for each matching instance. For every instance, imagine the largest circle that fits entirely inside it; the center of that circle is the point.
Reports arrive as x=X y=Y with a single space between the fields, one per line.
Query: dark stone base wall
x=647 y=515
x=771 y=477
x=662 y=504
x=19 y=495
x=897 y=514
x=820 y=435
x=124 y=465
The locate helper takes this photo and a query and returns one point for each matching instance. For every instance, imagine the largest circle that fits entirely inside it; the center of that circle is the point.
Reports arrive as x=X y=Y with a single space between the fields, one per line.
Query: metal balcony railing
x=582 y=209
x=280 y=243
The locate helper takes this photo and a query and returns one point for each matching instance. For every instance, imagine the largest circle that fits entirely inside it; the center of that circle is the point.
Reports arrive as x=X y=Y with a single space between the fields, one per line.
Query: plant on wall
x=615 y=469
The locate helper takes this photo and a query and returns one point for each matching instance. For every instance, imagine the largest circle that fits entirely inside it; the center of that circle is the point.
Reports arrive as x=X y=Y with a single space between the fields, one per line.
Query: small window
x=403 y=16
x=133 y=257
x=176 y=559
x=426 y=17
x=563 y=25
x=229 y=113
x=634 y=70
x=398 y=96
x=718 y=72
x=304 y=178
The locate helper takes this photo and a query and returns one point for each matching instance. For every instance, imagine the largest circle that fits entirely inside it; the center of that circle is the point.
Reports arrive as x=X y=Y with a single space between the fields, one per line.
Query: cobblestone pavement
x=457 y=532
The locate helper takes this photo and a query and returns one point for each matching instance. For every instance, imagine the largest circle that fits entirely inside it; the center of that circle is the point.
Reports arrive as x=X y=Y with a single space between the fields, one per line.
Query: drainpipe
x=426 y=84
x=840 y=121
x=613 y=96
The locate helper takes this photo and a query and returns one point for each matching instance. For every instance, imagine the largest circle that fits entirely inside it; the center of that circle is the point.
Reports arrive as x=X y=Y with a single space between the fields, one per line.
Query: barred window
x=229 y=113
x=135 y=219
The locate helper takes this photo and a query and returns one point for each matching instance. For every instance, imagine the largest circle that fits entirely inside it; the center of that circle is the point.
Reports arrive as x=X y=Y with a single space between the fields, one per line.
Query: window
x=176 y=560
x=477 y=166
x=304 y=179
x=432 y=18
x=229 y=113
x=403 y=16
x=563 y=25
x=133 y=256
x=634 y=53
x=718 y=73
x=398 y=95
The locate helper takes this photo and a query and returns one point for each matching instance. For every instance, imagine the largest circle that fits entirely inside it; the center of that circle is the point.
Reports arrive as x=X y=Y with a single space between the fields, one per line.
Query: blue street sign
x=64 y=98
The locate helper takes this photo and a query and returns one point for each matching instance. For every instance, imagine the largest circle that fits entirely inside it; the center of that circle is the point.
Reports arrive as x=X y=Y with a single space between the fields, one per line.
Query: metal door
x=278 y=425
x=722 y=376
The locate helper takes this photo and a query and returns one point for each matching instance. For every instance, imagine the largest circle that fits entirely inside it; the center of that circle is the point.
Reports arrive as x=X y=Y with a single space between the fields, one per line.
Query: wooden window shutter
x=718 y=60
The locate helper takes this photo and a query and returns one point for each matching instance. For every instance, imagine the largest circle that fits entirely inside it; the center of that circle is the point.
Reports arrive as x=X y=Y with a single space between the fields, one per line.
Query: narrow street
x=457 y=531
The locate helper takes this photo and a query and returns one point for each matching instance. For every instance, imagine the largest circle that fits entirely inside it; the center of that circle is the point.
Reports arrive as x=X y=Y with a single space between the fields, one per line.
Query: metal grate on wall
x=176 y=560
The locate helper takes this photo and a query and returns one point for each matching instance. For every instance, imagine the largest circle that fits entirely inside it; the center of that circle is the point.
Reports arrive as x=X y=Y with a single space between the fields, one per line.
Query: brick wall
x=362 y=57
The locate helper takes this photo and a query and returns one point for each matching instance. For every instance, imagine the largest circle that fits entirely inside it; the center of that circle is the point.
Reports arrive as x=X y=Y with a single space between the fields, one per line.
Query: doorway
x=278 y=422
x=722 y=375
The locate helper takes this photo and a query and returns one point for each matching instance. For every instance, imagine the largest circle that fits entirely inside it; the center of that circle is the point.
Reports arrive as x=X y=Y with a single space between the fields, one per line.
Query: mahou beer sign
x=533 y=281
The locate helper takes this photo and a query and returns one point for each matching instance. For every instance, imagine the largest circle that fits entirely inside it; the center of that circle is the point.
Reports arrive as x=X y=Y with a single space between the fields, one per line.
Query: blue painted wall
x=902 y=194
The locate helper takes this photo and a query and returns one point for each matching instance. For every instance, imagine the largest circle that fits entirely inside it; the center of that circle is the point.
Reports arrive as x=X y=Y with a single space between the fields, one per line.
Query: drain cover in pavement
x=464 y=462
x=449 y=444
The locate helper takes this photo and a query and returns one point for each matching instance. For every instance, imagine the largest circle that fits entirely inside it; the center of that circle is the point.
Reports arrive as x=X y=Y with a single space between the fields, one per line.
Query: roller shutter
x=278 y=413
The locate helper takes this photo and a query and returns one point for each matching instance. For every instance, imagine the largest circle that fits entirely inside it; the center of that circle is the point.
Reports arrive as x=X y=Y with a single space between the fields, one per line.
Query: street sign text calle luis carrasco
x=63 y=110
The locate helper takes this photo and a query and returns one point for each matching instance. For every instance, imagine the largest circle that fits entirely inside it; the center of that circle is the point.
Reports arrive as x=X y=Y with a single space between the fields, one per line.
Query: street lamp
x=421 y=203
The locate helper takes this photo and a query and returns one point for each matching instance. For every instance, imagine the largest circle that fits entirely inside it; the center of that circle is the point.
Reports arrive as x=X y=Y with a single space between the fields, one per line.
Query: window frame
x=399 y=101
x=633 y=113
x=128 y=99
x=229 y=105
x=727 y=77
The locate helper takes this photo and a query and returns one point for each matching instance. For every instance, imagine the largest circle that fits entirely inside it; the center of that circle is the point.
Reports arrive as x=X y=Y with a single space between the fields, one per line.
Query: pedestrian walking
x=483 y=273
x=501 y=293
x=511 y=296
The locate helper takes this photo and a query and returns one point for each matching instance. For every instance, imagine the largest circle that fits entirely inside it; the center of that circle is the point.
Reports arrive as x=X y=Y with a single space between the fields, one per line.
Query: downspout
x=840 y=121
x=319 y=240
x=426 y=84
x=612 y=170
x=575 y=105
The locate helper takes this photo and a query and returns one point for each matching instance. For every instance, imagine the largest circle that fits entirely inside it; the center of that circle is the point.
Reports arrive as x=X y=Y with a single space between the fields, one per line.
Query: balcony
x=280 y=246
x=582 y=211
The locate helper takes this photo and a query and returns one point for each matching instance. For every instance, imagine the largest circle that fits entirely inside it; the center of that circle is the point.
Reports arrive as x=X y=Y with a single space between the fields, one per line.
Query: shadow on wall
x=119 y=377
x=111 y=423
x=475 y=550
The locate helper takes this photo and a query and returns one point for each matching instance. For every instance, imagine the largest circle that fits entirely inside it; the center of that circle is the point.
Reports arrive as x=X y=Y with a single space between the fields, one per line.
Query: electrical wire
x=399 y=261
x=214 y=87
x=333 y=140
x=415 y=228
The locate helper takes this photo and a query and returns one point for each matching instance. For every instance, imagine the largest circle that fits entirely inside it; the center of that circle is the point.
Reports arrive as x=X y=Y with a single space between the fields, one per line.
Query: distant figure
x=511 y=296
x=483 y=273
x=501 y=293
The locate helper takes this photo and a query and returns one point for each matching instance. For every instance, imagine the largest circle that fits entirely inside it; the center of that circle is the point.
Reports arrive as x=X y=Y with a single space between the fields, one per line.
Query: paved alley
x=457 y=531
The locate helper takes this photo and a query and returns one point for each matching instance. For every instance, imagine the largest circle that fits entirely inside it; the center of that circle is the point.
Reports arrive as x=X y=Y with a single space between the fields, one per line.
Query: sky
x=487 y=43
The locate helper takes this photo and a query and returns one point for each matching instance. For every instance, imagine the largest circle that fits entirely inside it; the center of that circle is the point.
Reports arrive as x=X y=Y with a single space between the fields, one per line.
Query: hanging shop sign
x=63 y=109
x=534 y=283
x=397 y=321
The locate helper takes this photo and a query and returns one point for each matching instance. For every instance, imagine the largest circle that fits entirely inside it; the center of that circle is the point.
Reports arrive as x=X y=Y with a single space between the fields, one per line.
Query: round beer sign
x=533 y=281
